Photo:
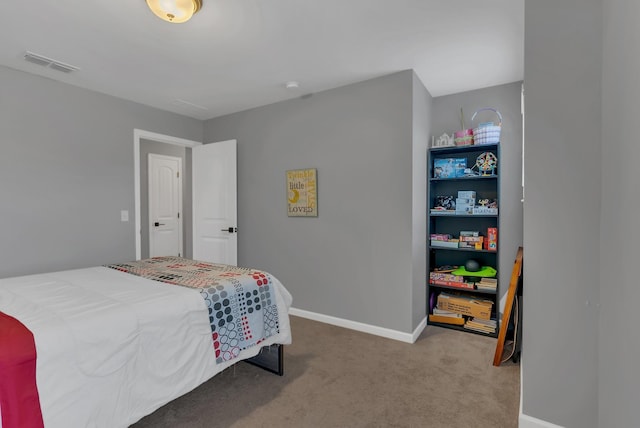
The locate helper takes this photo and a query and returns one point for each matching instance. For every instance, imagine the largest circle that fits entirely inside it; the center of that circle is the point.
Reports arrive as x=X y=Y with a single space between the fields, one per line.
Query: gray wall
x=354 y=261
x=618 y=344
x=506 y=99
x=66 y=168
x=422 y=112
x=563 y=60
x=147 y=147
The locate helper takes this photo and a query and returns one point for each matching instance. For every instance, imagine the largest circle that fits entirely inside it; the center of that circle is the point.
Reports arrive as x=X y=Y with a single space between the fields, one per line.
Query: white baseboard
x=365 y=328
x=526 y=421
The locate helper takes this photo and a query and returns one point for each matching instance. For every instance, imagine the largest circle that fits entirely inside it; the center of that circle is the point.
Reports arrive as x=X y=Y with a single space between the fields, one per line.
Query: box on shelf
x=445 y=276
x=464 y=209
x=449 y=167
x=485 y=210
x=471 y=246
x=450 y=280
x=474 y=242
x=464 y=238
x=453 y=243
x=440 y=236
x=478 y=308
x=444 y=202
x=465 y=201
x=467 y=194
x=437 y=211
x=491 y=243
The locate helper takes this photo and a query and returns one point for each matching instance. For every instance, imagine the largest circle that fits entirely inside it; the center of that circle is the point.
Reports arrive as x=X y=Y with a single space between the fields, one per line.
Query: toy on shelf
x=486 y=163
x=445 y=140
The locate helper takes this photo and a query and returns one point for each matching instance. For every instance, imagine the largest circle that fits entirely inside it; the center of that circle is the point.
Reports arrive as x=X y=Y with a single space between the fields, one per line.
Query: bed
x=105 y=346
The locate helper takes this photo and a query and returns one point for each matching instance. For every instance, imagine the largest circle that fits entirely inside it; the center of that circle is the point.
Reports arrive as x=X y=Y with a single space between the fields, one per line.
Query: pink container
x=463 y=138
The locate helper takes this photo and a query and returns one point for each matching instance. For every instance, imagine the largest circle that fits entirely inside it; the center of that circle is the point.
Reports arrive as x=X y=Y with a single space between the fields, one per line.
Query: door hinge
x=179 y=255
x=178 y=174
x=178 y=215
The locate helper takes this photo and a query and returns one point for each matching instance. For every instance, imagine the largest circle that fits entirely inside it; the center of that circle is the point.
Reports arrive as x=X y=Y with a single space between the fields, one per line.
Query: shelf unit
x=485 y=186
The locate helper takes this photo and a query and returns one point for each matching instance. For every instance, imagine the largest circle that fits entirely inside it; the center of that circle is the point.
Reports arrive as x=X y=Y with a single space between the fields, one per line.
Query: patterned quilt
x=241 y=301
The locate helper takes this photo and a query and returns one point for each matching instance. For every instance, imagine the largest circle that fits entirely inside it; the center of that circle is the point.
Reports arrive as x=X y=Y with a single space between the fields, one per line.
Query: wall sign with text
x=302 y=193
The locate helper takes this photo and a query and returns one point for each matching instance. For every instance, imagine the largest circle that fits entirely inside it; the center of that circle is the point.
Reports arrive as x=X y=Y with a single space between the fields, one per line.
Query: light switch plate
x=124 y=215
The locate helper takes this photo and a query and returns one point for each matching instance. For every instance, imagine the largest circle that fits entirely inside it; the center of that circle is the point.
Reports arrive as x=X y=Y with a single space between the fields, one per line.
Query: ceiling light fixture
x=176 y=11
x=292 y=85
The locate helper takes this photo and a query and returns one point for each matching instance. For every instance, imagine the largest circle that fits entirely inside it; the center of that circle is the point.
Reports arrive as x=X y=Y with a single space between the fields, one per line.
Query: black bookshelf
x=486 y=186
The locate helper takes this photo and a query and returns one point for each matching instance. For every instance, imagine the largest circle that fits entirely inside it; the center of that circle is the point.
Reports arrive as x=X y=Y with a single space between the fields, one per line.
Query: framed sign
x=302 y=193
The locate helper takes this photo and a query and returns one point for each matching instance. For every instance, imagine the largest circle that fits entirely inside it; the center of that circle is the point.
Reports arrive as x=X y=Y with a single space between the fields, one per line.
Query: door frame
x=141 y=134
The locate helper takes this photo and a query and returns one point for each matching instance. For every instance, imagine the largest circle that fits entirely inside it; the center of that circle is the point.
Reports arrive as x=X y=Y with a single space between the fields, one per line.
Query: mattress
x=113 y=347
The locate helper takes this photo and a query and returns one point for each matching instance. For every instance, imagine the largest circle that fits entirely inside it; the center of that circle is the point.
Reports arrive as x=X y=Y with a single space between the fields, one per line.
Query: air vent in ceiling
x=48 y=62
x=188 y=104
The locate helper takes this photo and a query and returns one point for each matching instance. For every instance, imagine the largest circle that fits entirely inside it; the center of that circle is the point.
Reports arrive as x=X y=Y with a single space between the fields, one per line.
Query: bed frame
x=270 y=358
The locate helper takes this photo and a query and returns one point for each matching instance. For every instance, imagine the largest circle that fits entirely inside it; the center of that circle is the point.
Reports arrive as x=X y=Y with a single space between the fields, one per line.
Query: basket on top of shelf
x=487 y=132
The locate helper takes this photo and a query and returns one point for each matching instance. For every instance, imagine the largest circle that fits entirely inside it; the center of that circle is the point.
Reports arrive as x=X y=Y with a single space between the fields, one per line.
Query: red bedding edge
x=19 y=400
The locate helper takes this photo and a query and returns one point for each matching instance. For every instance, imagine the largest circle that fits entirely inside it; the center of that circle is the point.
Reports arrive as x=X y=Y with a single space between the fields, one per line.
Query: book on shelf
x=482 y=330
x=456 y=284
x=487 y=284
x=446 y=320
x=490 y=323
x=486 y=326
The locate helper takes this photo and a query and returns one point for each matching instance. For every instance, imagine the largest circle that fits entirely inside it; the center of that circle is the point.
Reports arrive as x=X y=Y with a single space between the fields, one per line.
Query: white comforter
x=114 y=347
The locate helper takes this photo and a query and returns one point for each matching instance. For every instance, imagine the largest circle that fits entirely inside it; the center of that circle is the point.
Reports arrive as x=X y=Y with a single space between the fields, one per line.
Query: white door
x=165 y=205
x=215 y=203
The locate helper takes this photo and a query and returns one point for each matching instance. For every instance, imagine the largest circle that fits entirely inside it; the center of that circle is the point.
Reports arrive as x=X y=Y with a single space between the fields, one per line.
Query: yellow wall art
x=302 y=193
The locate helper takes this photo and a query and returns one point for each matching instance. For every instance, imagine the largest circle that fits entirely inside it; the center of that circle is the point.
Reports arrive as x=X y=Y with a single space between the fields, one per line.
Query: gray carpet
x=336 y=377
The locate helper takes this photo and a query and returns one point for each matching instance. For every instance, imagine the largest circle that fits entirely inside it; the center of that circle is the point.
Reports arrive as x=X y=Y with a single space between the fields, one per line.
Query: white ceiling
x=238 y=54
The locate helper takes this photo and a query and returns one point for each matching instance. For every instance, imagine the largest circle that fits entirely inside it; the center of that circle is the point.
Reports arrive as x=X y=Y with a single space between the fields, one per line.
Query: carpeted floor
x=336 y=377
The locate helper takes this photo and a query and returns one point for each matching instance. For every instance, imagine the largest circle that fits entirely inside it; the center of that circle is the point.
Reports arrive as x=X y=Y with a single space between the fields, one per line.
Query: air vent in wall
x=48 y=62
